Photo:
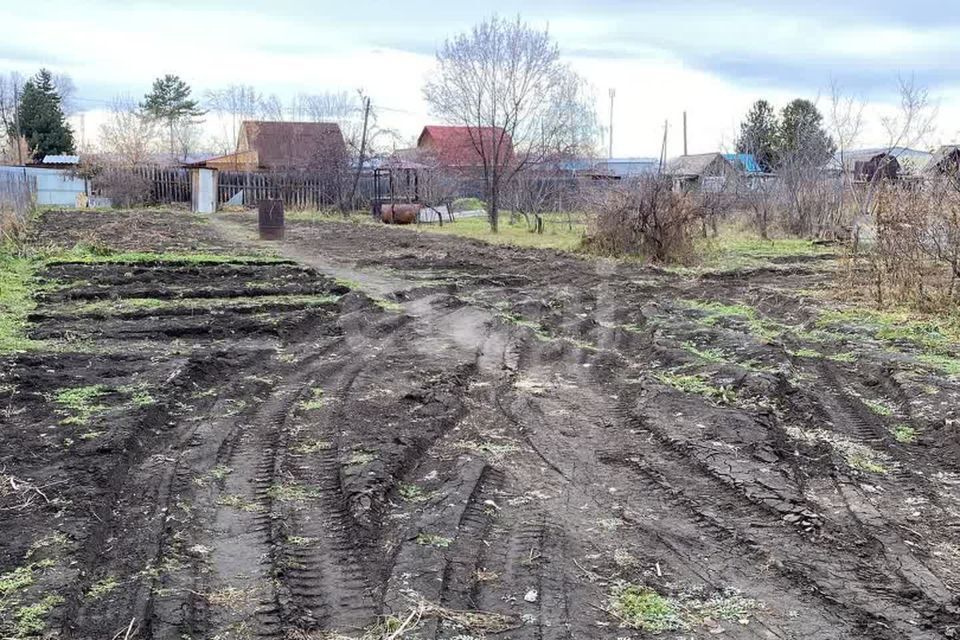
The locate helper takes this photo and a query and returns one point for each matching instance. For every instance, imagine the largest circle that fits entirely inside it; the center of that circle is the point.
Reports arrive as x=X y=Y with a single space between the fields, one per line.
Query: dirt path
x=483 y=442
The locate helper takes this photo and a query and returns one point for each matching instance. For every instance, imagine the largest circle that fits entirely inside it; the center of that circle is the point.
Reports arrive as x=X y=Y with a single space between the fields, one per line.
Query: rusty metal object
x=270 y=219
x=399 y=213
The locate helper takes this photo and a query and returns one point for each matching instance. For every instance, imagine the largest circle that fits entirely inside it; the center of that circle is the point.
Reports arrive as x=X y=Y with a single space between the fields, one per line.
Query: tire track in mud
x=459 y=588
x=709 y=522
x=325 y=579
x=234 y=536
x=873 y=605
x=579 y=484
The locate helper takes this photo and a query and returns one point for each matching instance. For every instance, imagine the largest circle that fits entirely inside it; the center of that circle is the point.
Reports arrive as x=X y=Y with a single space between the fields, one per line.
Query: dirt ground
x=417 y=436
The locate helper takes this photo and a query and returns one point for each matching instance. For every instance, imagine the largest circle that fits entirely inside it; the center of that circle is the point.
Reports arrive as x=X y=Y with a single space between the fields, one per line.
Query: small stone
x=531 y=596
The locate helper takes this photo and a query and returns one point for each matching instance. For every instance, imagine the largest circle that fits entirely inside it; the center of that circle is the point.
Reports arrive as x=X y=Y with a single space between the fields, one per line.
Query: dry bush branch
x=645 y=218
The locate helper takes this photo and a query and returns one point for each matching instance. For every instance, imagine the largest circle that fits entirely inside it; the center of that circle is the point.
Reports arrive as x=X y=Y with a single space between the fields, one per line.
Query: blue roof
x=746 y=160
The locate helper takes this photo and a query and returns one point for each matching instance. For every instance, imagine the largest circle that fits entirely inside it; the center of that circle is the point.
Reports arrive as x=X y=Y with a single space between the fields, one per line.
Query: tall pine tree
x=170 y=102
x=40 y=117
x=802 y=134
x=760 y=135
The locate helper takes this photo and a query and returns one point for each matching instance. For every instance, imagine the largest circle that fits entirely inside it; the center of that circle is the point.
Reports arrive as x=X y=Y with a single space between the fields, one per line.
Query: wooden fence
x=170 y=184
x=17 y=198
x=298 y=189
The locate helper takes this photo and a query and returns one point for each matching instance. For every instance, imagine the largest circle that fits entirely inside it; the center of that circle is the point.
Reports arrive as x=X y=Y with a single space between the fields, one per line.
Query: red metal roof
x=458 y=146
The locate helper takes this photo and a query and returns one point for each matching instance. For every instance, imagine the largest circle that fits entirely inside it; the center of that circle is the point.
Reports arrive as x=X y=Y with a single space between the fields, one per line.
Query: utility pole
x=663 y=149
x=613 y=94
x=684 y=133
x=363 y=150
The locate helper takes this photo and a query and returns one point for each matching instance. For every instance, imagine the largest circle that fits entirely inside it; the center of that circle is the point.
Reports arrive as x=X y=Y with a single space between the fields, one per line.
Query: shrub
x=644 y=218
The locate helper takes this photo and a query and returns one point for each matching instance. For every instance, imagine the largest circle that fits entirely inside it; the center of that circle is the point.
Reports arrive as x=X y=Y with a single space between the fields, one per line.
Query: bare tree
x=67 y=91
x=340 y=107
x=505 y=82
x=912 y=123
x=128 y=135
x=233 y=104
x=271 y=108
x=11 y=86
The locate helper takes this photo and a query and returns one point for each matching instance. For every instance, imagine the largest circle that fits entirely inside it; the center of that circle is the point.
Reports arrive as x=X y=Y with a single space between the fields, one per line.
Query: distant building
x=608 y=168
x=745 y=162
x=275 y=146
x=863 y=162
x=945 y=161
x=463 y=147
x=701 y=172
x=60 y=161
x=883 y=166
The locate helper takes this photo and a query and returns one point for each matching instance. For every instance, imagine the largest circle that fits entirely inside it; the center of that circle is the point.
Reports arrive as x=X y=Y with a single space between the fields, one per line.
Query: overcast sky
x=711 y=58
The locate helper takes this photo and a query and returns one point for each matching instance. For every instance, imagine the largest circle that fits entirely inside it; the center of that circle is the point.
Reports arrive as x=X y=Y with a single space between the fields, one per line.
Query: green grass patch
x=293 y=492
x=707 y=354
x=17 y=580
x=857 y=455
x=386 y=305
x=714 y=312
x=904 y=433
x=17 y=285
x=360 y=456
x=81 y=403
x=31 y=620
x=700 y=385
x=240 y=503
x=865 y=463
x=643 y=608
x=945 y=364
x=743 y=250
x=87 y=254
x=102 y=588
x=433 y=540
x=878 y=407
x=412 y=492
x=805 y=353
x=468 y=204
x=936 y=337
x=313 y=446
x=557 y=234
x=316 y=400
x=640 y=607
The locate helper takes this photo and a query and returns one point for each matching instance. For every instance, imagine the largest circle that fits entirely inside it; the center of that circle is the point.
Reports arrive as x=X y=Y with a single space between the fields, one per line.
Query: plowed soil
x=387 y=432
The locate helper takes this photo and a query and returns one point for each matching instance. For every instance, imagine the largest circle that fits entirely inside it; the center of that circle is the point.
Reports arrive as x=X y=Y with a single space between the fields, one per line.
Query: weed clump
x=699 y=384
x=642 y=608
x=904 y=433
x=433 y=540
x=102 y=588
x=81 y=403
x=412 y=492
x=316 y=401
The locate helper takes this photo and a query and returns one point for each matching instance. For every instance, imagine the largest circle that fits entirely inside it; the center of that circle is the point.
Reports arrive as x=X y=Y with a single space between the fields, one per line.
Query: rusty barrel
x=270 y=219
x=399 y=213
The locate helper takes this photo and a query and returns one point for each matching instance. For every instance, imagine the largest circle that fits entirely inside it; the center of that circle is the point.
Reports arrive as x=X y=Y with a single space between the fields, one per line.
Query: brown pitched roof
x=293 y=145
x=695 y=165
x=457 y=146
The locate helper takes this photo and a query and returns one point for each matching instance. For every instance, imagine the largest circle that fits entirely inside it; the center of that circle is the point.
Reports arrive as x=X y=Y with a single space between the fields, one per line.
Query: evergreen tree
x=760 y=135
x=41 y=119
x=170 y=101
x=802 y=133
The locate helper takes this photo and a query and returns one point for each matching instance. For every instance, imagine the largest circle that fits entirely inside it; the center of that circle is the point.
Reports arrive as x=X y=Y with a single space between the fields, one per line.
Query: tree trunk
x=493 y=205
